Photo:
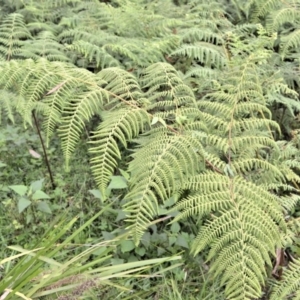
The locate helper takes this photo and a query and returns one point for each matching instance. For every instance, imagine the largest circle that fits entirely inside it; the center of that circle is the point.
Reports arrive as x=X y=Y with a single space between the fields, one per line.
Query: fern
x=201 y=104
x=238 y=245
x=289 y=287
x=45 y=45
x=118 y=127
x=162 y=162
x=13 y=31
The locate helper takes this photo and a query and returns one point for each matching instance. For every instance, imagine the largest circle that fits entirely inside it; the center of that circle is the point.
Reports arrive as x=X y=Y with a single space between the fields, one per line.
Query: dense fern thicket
x=197 y=100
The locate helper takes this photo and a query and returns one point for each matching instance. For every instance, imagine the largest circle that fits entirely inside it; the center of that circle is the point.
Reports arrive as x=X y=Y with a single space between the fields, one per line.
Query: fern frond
x=54 y=104
x=289 y=287
x=289 y=41
x=200 y=72
x=207 y=54
x=94 y=54
x=280 y=17
x=116 y=129
x=77 y=113
x=12 y=34
x=122 y=87
x=7 y=105
x=45 y=45
x=193 y=35
x=162 y=160
x=235 y=233
x=28 y=79
x=166 y=90
x=264 y=8
x=36 y=79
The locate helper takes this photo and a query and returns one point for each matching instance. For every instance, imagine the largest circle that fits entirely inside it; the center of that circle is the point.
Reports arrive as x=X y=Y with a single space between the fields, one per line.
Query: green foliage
x=71 y=278
x=186 y=109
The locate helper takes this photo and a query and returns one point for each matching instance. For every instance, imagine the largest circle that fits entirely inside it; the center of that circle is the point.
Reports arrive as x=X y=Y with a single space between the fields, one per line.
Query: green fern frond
x=116 y=129
x=122 y=87
x=12 y=34
x=289 y=287
x=264 y=8
x=45 y=45
x=37 y=79
x=212 y=10
x=165 y=89
x=28 y=79
x=110 y=88
x=200 y=72
x=289 y=41
x=60 y=3
x=237 y=210
x=162 y=160
x=280 y=17
x=94 y=54
x=7 y=105
x=289 y=203
x=54 y=104
x=207 y=54
x=193 y=35
x=81 y=110
x=291 y=236
x=106 y=47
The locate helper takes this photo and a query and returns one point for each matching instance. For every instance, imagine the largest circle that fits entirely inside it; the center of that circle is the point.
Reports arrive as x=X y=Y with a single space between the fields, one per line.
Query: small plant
x=31 y=197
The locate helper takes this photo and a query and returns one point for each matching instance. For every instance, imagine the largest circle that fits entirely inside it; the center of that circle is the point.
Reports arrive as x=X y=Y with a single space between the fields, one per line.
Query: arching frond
x=290 y=41
x=238 y=245
x=116 y=129
x=162 y=160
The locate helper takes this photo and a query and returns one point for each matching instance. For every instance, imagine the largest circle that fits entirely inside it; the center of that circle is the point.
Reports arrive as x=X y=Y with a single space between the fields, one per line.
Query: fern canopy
x=193 y=99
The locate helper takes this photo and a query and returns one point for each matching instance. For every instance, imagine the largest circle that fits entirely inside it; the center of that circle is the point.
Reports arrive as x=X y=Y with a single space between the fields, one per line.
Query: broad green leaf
x=145 y=240
x=97 y=194
x=175 y=227
x=132 y=258
x=117 y=261
x=23 y=203
x=19 y=189
x=160 y=251
x=40 y=195
x=181 y=241
x=140 y=251
x=121 y=215
x=124 y=174
x=127 y=246
x=37 y=185
x=117 y=182
x=172 y=240
x=107 y=235
x=44 y=207
x=99 y=251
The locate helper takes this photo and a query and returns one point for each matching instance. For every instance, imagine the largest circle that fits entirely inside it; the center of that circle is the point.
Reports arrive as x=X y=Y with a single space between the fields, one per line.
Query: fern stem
x=44 y=150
